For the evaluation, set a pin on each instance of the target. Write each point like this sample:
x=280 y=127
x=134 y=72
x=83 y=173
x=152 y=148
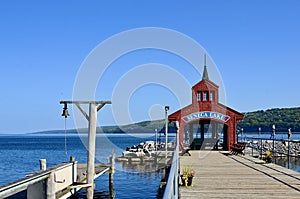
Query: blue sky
x=254 y=44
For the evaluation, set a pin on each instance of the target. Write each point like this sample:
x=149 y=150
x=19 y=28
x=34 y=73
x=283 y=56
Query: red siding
x=213 y=106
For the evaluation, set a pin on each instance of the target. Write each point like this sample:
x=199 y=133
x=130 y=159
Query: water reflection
x=290 y=163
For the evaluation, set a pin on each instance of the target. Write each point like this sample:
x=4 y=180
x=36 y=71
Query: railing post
x=261 y=148
x=50 y=187
x=177 y=162
x=74 y=170
x=172 y=189
x=252 y=146
x=166 y=135
x=91 y=150
x=111 y=175
x=273 y=135
x=43 y=165
x=289 y=153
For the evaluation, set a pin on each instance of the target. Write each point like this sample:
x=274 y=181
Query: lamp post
x=273 y=135
x=273 y=131
x=289 y=146
x=260 y=140
x=166 y=134
x=242 y=133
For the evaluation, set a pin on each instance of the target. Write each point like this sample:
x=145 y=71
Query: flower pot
x=189 y=181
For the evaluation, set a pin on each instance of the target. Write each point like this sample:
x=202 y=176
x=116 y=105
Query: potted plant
x=187 y=176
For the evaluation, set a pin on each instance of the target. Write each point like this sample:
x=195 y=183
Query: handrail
x=289 y=148
x=273 y=149
x=22 y=184
x=171 y=190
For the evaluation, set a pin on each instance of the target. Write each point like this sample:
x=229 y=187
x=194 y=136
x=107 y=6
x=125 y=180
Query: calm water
x=20 y=154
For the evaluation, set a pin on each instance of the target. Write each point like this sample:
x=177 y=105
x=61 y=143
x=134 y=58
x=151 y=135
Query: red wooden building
x=204 y=122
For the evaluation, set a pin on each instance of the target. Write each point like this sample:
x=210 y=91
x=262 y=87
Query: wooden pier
x=222 y=175
x=60 y=181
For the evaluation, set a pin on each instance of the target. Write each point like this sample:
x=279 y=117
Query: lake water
x=20 y=154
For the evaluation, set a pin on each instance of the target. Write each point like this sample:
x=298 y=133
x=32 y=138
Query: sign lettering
x=206 y=115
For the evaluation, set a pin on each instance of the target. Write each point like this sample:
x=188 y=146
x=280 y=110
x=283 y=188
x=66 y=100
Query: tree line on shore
x=282 y=118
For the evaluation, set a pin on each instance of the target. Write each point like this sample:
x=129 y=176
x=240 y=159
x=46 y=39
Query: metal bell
x=65 y=111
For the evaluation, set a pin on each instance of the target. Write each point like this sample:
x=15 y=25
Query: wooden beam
x=85 y=102
x=100 y=106
x=91 y=151
x=94 y=107
x=82 y=111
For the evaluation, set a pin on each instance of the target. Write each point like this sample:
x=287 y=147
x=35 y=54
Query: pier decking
x=222 y=175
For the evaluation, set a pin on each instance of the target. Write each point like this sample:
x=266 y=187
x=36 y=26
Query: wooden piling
x=91 y=150
x=51 y=186
x=111 y=174
x=43 y=165
x=72 y=158
x=94 y=107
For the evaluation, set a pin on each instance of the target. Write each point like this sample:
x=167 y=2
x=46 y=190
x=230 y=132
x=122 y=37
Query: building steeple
x=205 y=73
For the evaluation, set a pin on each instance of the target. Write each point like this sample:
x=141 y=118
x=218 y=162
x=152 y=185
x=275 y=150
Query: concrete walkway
x=222 y=175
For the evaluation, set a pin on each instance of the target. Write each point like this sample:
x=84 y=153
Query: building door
x=225 y=137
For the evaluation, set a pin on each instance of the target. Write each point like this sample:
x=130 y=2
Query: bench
x=185 y=150
x=238 y=148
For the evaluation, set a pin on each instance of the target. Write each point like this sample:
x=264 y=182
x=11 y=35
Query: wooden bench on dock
x=185 y=150
x=238 y=148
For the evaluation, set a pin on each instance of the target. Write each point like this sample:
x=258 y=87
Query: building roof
x=218 y=106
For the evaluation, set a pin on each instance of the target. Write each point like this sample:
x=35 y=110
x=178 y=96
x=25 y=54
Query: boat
x=141 y=150
x=145 y=151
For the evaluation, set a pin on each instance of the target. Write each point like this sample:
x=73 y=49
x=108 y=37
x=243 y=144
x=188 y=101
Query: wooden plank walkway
x=222 y=175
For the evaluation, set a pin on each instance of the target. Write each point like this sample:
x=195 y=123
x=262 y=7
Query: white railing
x=172 y=189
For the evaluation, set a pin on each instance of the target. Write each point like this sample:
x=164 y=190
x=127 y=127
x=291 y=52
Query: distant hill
x=140 y=127
x=283 y=118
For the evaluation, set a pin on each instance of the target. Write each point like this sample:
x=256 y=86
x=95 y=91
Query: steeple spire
x=205 y=73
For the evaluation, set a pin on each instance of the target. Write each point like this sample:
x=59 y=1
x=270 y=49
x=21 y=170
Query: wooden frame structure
x=94 y=107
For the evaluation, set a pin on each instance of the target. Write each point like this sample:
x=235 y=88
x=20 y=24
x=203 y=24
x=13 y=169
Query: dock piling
x=43 y=165
x=94 y=107
x=111 y=174
x=72 y=158
x=91 y=150
x=51 y=186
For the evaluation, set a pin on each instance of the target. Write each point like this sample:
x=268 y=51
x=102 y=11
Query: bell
x=65 y=111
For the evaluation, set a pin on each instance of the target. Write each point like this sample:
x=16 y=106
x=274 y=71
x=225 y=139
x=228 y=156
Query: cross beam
x=85 y=102
x=94 y=107
x=99 y=105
